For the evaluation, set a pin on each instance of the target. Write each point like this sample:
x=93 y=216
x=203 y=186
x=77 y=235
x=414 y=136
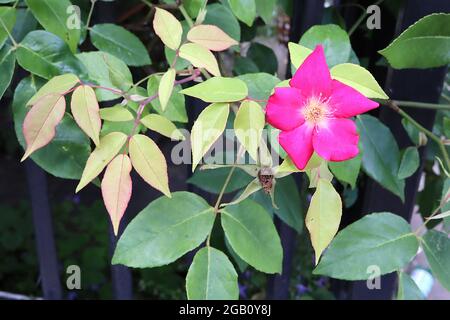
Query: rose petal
x=284 y=107
x=347 y=102
x=336 y=140
x=313 y=77
x=298 y=144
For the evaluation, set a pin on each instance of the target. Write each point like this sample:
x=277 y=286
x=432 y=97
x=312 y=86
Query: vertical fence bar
x=416 y=85
x=122 y=281
x=306 y=13
x=43 y=228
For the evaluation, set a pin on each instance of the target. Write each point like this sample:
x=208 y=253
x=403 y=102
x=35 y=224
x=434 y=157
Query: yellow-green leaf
x=211 y=37
x=166 y=87
x=149 y=162
x=108 y=148
x=200 y=57
x=39 y=126
x=324 y=216
x=359 y=79
x=218 y=89
x=117 y=113
x=57 y=85
x=168 y=28
x=298 y=53
x=318 y=173
x=85 y=111
x=208 y=127
x=116 y=188
x=163 y=126
x=248 y=126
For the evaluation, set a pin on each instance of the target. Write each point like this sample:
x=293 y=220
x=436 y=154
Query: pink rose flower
x=313 y=113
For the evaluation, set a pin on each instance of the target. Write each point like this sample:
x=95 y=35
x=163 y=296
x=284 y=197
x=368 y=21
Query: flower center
x=315 y=110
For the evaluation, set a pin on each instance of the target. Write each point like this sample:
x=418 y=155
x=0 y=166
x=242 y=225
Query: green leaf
x=407 y=288
x=213 y=180
x=211 y=276
x=409 y=164
x=324 y=216
x=219 y=15
x=359 y=79
x=264 y=58
x=335 y=41
x=7 y=64
x=253 y=236
x=266 y=9
x=193 y=7
x=121 y=43
x=427 y=43
x=245 y=10
x=251 y=188
x=165 y=87
x=241 y=264
x=248 y=126
x=46 y=55
x=381 y=239
x=437 y=249
x=25 y=23
x=164 y=231
x=287 y=198
x=200 y=57
x=243 y=66
x=218 y=89
x=58 y=84
x=176 y=106
x=168 y=28
x=52 y=15
x=260 y=85
x=149 y=162
x=8 y=18
x=208 y=127
x=109 y=147
x=107 y=71
x=66 y=155
x=381 y=156
x=347 y=171
x=117 y=113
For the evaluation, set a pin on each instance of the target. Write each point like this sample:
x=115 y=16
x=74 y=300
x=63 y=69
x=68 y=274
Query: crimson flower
x=312 y=113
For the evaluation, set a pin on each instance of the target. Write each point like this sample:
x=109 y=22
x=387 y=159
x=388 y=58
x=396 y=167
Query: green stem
x=186 y=16
x=360 y=19
x=435 y=212
x=446 y=97
x=422 y=105
x=427 y=132
x=91 y=11
x=224 y=187
x=142 y=80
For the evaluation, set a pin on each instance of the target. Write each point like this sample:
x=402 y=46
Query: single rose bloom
x=313 y=113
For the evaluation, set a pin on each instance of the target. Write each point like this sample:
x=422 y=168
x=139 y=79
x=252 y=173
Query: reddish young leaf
x=116 y=188
x=211 y=37
x=86 y=112
x=39 y=126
